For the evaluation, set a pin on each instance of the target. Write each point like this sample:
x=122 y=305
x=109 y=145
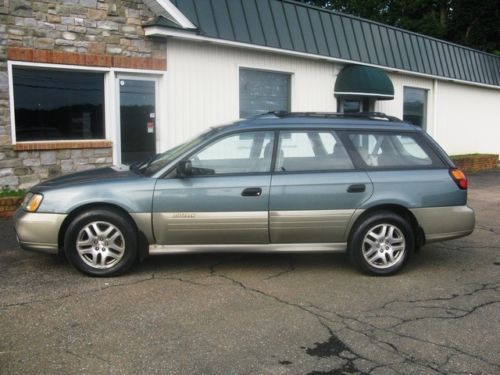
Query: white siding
x=202 y=85
x=202 y=90
x=468 y=119
x=462 y=118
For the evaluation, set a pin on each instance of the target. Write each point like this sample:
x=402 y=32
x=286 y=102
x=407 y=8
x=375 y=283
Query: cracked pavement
x=264 y=313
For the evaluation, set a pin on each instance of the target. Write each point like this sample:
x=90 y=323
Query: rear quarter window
x=383 y=150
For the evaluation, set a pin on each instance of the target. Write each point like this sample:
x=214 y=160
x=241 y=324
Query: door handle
x=356 y=188
x=252 y=192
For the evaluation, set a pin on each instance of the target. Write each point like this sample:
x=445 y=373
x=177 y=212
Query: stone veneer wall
x=24 y=169
x=101 y=30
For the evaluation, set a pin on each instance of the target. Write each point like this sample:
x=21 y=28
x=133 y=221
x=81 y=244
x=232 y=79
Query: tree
x=475 y=24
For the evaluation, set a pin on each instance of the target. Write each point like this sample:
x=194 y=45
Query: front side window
x=311 y=151
x=58 y=105
x=415 y=106
x=247 y=152
x=263 y=91
x=381 y=150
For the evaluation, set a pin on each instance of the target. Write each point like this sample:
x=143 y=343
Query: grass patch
x=7 y=192
x=465 y=155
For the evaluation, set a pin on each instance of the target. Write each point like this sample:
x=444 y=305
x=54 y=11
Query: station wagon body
x=370 y=185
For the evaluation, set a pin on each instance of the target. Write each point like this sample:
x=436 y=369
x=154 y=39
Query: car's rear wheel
x=101 y=243
x=382 y=243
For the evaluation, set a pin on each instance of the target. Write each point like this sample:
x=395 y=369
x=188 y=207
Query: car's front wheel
x=101 y=242
x=382 y=243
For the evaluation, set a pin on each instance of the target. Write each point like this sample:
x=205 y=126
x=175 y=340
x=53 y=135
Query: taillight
x=459 y=178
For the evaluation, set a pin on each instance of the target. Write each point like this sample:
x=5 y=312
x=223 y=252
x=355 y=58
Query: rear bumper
x=445 y=223
x=38 y=231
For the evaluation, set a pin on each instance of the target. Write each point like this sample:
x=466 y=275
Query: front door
x=137 y=119
x=315 y=189
x=224 y=200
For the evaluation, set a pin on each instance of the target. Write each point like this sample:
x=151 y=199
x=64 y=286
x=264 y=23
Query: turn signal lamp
x=459 y=178
x=32 y=202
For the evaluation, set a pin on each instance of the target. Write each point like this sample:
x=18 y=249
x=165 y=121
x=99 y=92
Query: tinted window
x=390 y=150
x=58 y=105
x=415 y=106
x=248 y=152
x=262 y=92
x=311 y=150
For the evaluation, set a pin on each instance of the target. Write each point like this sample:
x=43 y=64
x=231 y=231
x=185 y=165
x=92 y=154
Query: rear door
x=315 y=188
x=225 y=200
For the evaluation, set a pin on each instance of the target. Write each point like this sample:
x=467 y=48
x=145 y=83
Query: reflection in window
x=58 y=105
x=384 y=151
x=262 y=92
x=415 y=106
x=247 y=152
x=311 y=151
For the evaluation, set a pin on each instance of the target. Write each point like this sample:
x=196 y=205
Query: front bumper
x=38 y=231
x=445 y=223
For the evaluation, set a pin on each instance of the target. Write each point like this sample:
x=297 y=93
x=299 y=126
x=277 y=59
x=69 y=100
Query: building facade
x=87 y=83
x=58 y=64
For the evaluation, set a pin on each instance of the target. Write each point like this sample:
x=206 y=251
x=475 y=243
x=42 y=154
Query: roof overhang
x=194 y=35
x=168 y=10
x=364 y=81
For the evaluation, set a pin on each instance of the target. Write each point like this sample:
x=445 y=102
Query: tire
x=382 y=243
x=101 y=242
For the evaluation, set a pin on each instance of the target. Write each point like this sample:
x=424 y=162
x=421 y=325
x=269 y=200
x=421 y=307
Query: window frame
x=263 y=70
x=330 y=130
x=111 y=123
x=426 y=105
x=171 y=171
x=438 y=160
x=58 y=140
x=360 y=164
x=67 y=68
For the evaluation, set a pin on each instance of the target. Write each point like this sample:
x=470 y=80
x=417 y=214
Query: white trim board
x=341 y=93
x=164 y=32
x=86 y=68
x=176 y=14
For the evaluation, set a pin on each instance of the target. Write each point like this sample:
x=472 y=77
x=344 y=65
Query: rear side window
x=311 y=151
x=385 y=150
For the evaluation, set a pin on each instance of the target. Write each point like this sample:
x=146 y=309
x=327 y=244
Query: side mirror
x=184 y=168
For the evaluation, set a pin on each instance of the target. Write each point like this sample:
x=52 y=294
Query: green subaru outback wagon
x=367 y=184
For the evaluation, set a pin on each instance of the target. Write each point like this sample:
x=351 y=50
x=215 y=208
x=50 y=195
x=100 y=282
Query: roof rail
x=371 y=115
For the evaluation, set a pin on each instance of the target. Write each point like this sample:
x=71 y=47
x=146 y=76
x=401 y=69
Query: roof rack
x=371 y=115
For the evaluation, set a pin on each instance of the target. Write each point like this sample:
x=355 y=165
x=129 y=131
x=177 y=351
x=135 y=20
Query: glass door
x=137 y=119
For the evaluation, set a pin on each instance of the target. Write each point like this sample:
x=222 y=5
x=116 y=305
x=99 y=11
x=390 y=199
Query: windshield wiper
x=150 y=161
x=138 y=165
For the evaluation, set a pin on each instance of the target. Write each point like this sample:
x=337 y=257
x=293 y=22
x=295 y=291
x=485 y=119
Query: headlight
x=32 y=202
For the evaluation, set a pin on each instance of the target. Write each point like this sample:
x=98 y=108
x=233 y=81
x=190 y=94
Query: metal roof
x=293 y=26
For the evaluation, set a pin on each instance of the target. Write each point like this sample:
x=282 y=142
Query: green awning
x=364 y=81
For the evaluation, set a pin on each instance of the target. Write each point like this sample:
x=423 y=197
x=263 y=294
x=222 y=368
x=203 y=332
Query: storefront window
x=355 y=105
x=263 y=91
x=58 y=105
x=415 y=106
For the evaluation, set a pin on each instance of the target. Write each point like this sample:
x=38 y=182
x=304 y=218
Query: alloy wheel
x=384 y=246
x=100 y=244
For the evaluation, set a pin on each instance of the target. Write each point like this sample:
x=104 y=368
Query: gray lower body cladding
x=312 y=230
x=445 y=223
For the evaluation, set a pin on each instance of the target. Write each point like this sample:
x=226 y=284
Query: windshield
x=159 y=161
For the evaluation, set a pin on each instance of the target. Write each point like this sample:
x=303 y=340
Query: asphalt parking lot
x=265 y=314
